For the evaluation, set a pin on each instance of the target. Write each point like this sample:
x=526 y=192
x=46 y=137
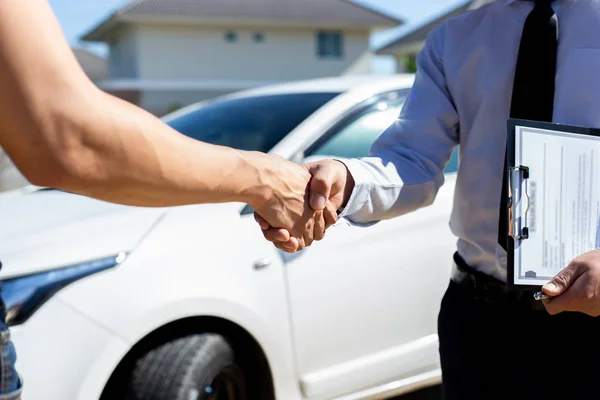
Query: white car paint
x=354 y=316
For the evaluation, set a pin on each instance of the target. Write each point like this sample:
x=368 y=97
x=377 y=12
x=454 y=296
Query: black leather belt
x=487 y=289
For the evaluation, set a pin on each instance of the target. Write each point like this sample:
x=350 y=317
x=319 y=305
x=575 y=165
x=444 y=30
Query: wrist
x=349 y=183
x=253 y=172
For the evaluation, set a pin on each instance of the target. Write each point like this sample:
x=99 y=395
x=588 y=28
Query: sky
x=78 y=16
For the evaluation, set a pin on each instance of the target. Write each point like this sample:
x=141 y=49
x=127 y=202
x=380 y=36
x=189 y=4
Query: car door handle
x=262 y=263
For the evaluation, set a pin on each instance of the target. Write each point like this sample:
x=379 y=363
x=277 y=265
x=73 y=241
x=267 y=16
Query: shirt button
x=503 y=260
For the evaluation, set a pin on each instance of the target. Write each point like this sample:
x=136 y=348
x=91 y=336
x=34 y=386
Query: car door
x=364 y=301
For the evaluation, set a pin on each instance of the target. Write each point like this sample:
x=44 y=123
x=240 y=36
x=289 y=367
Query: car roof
x=331 y=84
x=337 y=84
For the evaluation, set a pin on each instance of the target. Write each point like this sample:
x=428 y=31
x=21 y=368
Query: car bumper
x=62 y=354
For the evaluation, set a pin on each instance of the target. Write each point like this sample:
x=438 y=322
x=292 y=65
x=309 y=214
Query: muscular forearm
x=62 y=131
x=111 y=150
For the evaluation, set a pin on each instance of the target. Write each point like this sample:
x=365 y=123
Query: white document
x=559 y=203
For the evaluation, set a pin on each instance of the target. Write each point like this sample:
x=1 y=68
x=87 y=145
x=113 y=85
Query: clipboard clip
x=515 y=189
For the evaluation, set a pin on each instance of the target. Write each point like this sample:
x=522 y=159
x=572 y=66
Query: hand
x=330 y=189
x=314 y=230
x=576 y=287
x=283 y=201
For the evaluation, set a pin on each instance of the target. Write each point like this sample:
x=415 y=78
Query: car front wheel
x=195 y=367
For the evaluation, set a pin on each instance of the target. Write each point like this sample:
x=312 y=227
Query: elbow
x=52 y=171
x=62 y=161
x=55 y=148
x=430 y=190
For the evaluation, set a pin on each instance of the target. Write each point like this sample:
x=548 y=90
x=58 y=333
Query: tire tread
x=168 y=371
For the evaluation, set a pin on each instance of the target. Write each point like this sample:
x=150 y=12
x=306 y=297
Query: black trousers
x=491 y=351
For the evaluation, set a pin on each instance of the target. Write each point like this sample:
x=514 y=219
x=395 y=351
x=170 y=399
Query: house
x=406 y=47
x=168 y=53
x=95 y=67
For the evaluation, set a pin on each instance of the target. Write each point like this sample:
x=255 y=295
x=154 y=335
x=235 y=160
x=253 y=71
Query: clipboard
x=530 y=225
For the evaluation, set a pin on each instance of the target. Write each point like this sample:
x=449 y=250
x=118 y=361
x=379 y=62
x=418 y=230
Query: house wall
x=202 y=57
x=187 y=52
x=123 y=60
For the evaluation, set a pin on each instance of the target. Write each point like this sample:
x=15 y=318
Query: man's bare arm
x=62 y=131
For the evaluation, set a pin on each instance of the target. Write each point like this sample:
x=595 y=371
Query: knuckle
x=308 y=239
x=320 y=181
x=580 y=265
x=562 y=279
x=590 y=294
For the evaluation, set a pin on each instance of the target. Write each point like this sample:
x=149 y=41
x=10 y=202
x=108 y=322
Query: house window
x=330 y=44
x=231 y=36
x=259 y=37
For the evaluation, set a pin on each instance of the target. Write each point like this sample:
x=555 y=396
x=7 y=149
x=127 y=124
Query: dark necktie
x=533 y=86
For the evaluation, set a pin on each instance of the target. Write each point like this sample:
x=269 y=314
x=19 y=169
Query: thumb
x=320 y=186
x=564 y=279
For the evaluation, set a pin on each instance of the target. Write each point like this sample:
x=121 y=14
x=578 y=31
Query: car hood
x=48 y=229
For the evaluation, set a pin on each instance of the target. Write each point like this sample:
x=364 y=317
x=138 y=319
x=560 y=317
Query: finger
x=330 y=215
x=320 y=185
x=283 y=247
x=301 y=244
x=570 y=298
x=302 y=223
x=290 y=246
x=308 y=234
x=319 y=226
x=276 y=235
x=264 y=225
x=564 y=278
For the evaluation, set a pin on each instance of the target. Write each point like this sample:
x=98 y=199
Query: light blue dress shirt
x=461 y=96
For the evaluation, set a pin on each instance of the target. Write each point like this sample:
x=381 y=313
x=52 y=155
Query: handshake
x=299 y=202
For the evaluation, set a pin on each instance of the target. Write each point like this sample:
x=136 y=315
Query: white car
x=11 y=178
x=121 y=303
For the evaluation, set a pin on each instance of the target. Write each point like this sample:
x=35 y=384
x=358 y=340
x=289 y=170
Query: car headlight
x=23 y=295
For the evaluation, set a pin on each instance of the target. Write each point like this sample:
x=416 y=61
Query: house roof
x=419 y=34
x=299 y=12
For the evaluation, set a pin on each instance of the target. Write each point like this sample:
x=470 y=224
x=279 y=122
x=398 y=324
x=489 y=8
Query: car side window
x=354 y=138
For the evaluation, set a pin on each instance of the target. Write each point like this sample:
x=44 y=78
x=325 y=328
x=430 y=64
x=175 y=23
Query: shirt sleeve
x=405 y=168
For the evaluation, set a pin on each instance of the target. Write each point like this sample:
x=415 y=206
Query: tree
x=411 y=63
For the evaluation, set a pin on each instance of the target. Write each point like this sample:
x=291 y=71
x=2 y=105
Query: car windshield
x=250 y=123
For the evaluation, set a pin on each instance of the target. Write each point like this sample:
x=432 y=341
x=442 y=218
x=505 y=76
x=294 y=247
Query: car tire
x=195 y=367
